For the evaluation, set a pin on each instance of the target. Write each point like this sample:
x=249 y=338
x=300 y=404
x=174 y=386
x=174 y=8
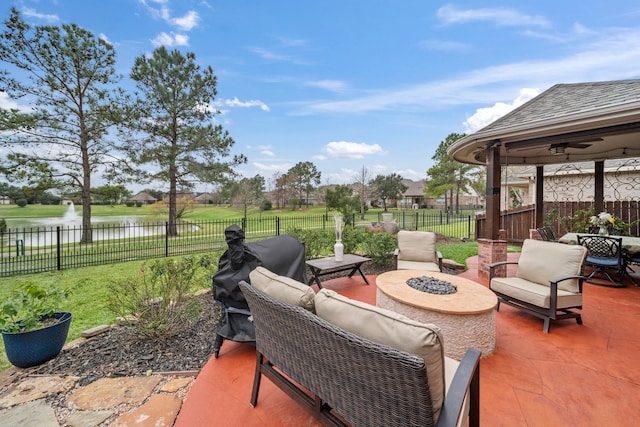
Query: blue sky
x=346 y=84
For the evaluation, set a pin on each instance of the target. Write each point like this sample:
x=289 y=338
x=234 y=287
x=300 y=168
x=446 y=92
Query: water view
x=43 y=231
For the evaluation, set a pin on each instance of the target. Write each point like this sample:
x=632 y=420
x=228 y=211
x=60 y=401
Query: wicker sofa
x=345 y=378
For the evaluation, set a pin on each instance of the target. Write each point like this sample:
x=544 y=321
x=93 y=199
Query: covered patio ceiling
x=567 y=123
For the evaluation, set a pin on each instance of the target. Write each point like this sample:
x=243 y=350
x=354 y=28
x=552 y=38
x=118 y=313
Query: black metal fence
x=40 y=249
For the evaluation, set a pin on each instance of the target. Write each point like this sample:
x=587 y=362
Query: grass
x=89 y=294
x=90 y=285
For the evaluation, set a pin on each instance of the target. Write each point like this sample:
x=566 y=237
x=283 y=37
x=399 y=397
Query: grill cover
x=283 y=255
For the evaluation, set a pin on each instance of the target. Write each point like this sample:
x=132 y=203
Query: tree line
x=81 y=124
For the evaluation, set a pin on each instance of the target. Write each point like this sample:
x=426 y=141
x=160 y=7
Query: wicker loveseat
x=344 y=378
x=548 y=282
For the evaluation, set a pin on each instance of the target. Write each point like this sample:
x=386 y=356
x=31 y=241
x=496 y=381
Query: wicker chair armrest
x=466 y=379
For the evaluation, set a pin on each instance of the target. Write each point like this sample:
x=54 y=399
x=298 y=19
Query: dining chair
x=594 y=229
x=547 y=234
x=604 y=254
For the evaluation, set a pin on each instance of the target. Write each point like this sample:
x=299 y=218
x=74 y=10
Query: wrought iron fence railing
x=41 y=249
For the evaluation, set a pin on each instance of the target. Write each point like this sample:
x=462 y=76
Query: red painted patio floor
x=579 y=375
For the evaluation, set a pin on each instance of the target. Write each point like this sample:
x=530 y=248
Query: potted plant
x=33 y=328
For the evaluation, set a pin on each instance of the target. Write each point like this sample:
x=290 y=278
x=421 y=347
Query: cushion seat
x=417 y=251
x=548 y=282
x=534 y=293
x=417 y=265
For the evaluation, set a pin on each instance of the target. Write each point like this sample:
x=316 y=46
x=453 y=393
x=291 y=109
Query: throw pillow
x=283 y=288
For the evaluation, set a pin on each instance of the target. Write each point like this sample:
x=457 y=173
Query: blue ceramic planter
x=25 y=349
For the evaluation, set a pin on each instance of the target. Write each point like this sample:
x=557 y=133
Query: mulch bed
x=120 y=352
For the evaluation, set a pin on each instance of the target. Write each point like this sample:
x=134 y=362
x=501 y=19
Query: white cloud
x=265 y=150
x=7 y=103
x=487 y=115
x=104 y=37
x=330 y=85
x=450 y=14
x=412 y=174
x=186 y=22
x=164 y=39
x=270 y=168
x=443 y=45
x=235 y=102
x=32 y=13
x=614 y=54
x=351 y=150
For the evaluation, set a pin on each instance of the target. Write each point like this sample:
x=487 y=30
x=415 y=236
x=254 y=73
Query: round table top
x=470 y=298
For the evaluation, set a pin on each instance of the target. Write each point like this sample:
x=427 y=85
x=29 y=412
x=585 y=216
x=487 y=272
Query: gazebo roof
x=564 y=124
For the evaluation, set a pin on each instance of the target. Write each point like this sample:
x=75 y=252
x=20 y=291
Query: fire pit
x=432 y=285
x=466 y=316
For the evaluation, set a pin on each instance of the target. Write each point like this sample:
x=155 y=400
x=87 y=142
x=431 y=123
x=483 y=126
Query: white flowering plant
x=603 y=219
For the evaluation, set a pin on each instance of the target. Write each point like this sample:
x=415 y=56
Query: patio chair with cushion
x=417 y=251
x=548 y=281
x=604 y=254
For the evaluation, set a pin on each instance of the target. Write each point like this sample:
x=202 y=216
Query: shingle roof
x=562 y=101
x=586 y=121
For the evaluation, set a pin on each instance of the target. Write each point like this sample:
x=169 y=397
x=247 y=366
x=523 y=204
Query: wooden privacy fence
x=563 y=217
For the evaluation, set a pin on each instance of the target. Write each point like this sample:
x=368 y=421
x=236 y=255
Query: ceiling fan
x=554 y=148
x=562 y=146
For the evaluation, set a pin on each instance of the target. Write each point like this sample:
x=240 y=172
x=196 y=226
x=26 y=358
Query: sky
x=347 y=84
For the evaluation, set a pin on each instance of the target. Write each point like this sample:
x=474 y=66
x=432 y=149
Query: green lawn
x=90 y=284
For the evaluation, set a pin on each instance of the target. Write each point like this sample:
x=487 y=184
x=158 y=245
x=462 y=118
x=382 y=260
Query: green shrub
x=266 y=205
x=317 y=241
x=130 y=203
x=3 y=225
x=21 y=202
x=352 y=238
x=139 y=204
x=28 y=305
x=379 y=246
x=159 y=300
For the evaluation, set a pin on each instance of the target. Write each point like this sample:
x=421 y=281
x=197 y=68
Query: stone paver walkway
x=149 y=401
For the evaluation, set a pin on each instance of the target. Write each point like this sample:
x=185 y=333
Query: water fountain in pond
x=70 y=216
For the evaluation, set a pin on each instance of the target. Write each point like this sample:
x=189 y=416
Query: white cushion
x=282 y=288
x=534 y=293
x=392 y=329
x=417 y=265
x=541 y=261
x=417 y=246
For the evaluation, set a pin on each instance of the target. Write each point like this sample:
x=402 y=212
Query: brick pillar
x=490 y=251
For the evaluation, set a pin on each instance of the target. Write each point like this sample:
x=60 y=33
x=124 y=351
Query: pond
x=30 y=232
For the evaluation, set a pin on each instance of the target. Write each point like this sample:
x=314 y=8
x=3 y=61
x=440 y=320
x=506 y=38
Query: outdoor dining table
x=630 y=245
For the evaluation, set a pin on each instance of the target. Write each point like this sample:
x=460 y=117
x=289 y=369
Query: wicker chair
x=352 y=380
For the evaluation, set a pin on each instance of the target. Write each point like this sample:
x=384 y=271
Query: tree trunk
x=173 y=194
x=87 y=231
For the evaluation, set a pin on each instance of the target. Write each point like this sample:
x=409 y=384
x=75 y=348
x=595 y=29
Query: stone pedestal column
x=490 y=251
